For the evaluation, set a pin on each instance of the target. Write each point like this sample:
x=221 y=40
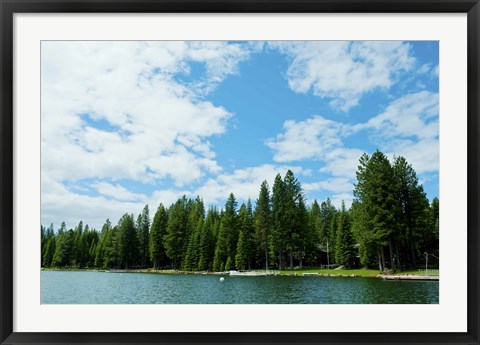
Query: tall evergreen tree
x=77 y=256
x=227 y=237
x=175 y=237
x=303 y=235
x=207 y=242
x=315 y=225
x=112 y=249
x=143 y=227
x=128 y=241
x=49 y=252
x=244 y=254
x=100 y=250
x=375 y=194
x=47 y=245
x=413 y=211
x=196 y=213
x=293 y=214
x=327 y=229
x=279 y=219
x=158 y=231
x=344 y=253
x=192 y=255
x=263 y=218
x=63 y=247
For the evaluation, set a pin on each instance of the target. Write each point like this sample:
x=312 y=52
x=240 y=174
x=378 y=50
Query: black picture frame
x=7 y=10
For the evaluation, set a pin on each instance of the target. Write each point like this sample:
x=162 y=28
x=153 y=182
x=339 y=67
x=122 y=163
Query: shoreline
x=320 y=273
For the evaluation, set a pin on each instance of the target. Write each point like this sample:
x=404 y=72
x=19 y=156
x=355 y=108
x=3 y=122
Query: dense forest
x=391 y=225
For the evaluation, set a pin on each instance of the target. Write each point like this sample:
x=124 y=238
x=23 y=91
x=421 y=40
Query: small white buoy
x=222 y=279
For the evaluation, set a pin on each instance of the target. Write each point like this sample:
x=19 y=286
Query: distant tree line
x=391 y=225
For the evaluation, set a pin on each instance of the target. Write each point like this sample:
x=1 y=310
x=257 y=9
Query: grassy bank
x=341 y=272
x=333 y=272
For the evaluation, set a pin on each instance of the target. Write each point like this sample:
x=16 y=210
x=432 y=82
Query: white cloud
x=344 y=71
x=115 y=110
x=309 y=139
x=331 y=185
x=60 y=204
x=167 y=197
x=147 y=114
x=243 y=183
x=337 y=199
x=117 y=192
x=412 y=115
x=317 y=139
x=342 y=162
x=408 y=127
x=423 y=154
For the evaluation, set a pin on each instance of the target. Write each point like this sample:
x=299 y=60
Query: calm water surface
x=138 y=288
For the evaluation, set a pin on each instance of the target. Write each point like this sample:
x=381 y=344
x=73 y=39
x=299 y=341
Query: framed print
x=239 y=172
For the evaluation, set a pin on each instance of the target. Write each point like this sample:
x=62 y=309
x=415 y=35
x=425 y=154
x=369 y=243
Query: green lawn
x=430 y=272
x=321 y=271
x=358 y=272
x=342 y=271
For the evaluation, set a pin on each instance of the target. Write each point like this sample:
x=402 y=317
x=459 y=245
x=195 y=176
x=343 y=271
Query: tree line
x=390 y=225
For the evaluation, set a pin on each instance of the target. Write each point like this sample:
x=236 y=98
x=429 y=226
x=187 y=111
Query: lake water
x=63 y=287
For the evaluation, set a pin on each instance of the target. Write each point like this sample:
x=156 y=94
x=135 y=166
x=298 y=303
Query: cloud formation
x=126 y=124
x=344 y=71
x=115 y=110
x=408 y=127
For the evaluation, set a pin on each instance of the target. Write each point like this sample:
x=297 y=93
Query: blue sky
x=126 y=124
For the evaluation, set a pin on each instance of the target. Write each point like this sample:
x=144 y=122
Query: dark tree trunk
x=291 y=254
x=382 y=254
x=392 y=264
x=412 y=248
x=266 y=255
x=397 y=256
x=280 y=259
x=379 y=256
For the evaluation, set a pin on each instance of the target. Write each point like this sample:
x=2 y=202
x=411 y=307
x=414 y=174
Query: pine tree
x=193 y=250
x=344 y=253
x=279 y=214
x=225 y=249
x=63 y=247
x=112 y=249
x=175 y=237
x=49 y=252
x=142 y=228
x=196 y=213
x=244 y=254
x=207 y=248
x=327 y=227
x=315 y=225
x=303 y=235
x=293 y=215
x=76 y=258
x=376 y=198
x=158 y=231
x=229 y=224
x=47 y=245
x=128 y=241
x=413 y=212
x=220 y=257
x=100 y=250
x=263 y=220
